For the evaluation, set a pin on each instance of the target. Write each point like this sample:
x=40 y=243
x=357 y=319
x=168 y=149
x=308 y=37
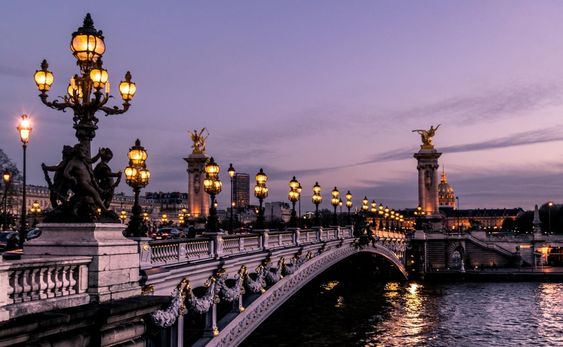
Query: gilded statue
x=199 y=140
x=426 y=136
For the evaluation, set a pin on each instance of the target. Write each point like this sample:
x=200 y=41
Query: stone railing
x=37 y=285
x=171 y=252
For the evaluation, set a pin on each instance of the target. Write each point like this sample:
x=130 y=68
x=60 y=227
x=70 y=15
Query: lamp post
x=123 y=216
x=261 y=193
x=88 y=92
x=293 y=196
x=317 y=199
x=335 y=200
x=137 y=176
x=349 y=206
x=549 y=206
x=373 y=211
x=386 y=216
x=299 y=190
x=212 y=186
x=232 y=174
x=458 y=216
x=85 y=96
x=7 y=178
x=24 y=128
x=35 y=209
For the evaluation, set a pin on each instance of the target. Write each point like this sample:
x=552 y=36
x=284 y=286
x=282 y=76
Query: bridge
x=253 y=273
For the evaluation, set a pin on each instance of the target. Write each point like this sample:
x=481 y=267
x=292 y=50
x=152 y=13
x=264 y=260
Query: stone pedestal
x=198 y=200
x=428 y=180
x=114 y=270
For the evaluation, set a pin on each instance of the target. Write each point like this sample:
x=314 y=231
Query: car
x=166 y=233
x=33 y=234
x=9 y=240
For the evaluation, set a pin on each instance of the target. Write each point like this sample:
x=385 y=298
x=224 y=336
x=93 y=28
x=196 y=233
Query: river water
x=351 y=305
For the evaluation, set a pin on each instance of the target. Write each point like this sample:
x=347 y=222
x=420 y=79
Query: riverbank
x=545 y=274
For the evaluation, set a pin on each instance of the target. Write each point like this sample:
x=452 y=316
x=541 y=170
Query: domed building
x=446 y=194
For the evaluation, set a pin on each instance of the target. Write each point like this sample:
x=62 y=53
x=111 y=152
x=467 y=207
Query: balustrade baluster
x=73 y=279
x=65 y=280
x=35 y=283
x=26 y=284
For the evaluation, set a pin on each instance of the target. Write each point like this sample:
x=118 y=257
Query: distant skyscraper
x=241 y=188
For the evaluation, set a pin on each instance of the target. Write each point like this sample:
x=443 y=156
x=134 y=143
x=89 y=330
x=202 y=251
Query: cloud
x=491 y=104
x=537 y=136
x=13 y=72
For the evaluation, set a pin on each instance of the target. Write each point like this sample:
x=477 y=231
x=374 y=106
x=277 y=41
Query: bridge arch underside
x=236 y=331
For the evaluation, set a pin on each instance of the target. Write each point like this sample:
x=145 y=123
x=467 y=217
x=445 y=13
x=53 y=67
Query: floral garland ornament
x=166 y=318
x=255 y=282
x=202 y=304
x=230 y=289
x=273 y=275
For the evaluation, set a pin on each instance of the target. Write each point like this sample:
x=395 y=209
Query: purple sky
x=324 y=90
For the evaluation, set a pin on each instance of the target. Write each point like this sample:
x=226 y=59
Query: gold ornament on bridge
x=199 y=139
x=426 y=136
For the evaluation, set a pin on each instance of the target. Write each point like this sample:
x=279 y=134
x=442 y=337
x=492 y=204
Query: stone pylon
x=428 y=181
x=198 y=200
x=536 y=222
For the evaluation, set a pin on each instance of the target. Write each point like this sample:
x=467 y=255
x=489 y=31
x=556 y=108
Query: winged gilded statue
x=199 y=139
x=427 y=135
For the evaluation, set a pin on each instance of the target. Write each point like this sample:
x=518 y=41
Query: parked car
x=167 y=233
x=33 y=234
x=172 y=233
x=9 y=240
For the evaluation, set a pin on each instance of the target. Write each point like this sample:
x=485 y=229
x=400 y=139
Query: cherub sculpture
x=199 y=140
x=427 y=135
x=104 y=176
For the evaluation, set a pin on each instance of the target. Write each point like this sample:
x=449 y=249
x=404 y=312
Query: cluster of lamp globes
x=212 y=184
x=295 y=189
x=136 y=173
x=87 y=46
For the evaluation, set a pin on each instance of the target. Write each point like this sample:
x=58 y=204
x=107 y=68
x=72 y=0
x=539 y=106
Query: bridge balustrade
x=26 y=284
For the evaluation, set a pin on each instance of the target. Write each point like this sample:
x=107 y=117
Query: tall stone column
x=198 y=200
x=428 y=180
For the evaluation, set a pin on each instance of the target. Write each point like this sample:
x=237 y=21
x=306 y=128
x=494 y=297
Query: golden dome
x=446 y=194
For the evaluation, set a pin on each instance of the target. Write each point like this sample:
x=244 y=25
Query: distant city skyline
x=328 y=91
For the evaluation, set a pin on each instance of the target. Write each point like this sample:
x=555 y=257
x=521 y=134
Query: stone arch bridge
x=255 y=273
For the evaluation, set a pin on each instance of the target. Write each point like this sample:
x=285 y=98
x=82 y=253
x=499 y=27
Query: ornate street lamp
x=373 y=211
x=85 y=96
x=123 y=216
x=335 y=201
x=293 y=196
x=365 y=205
x=35 y=209
x=164 y=219
x=137 y=176
x=232 y=174
x=24 y=128
x=88 y=92
x=7 y=178
x=212 y=186
x=261 y=193
x=349 y=205
x=299 y=190
x=317 y=199
x=418 y=213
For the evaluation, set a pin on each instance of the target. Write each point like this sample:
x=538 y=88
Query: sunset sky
x=328 y=91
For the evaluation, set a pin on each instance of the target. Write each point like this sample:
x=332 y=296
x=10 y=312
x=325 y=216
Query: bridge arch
x=236 y=331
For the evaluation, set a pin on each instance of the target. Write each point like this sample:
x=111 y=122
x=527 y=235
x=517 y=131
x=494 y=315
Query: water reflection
x=352 y=309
